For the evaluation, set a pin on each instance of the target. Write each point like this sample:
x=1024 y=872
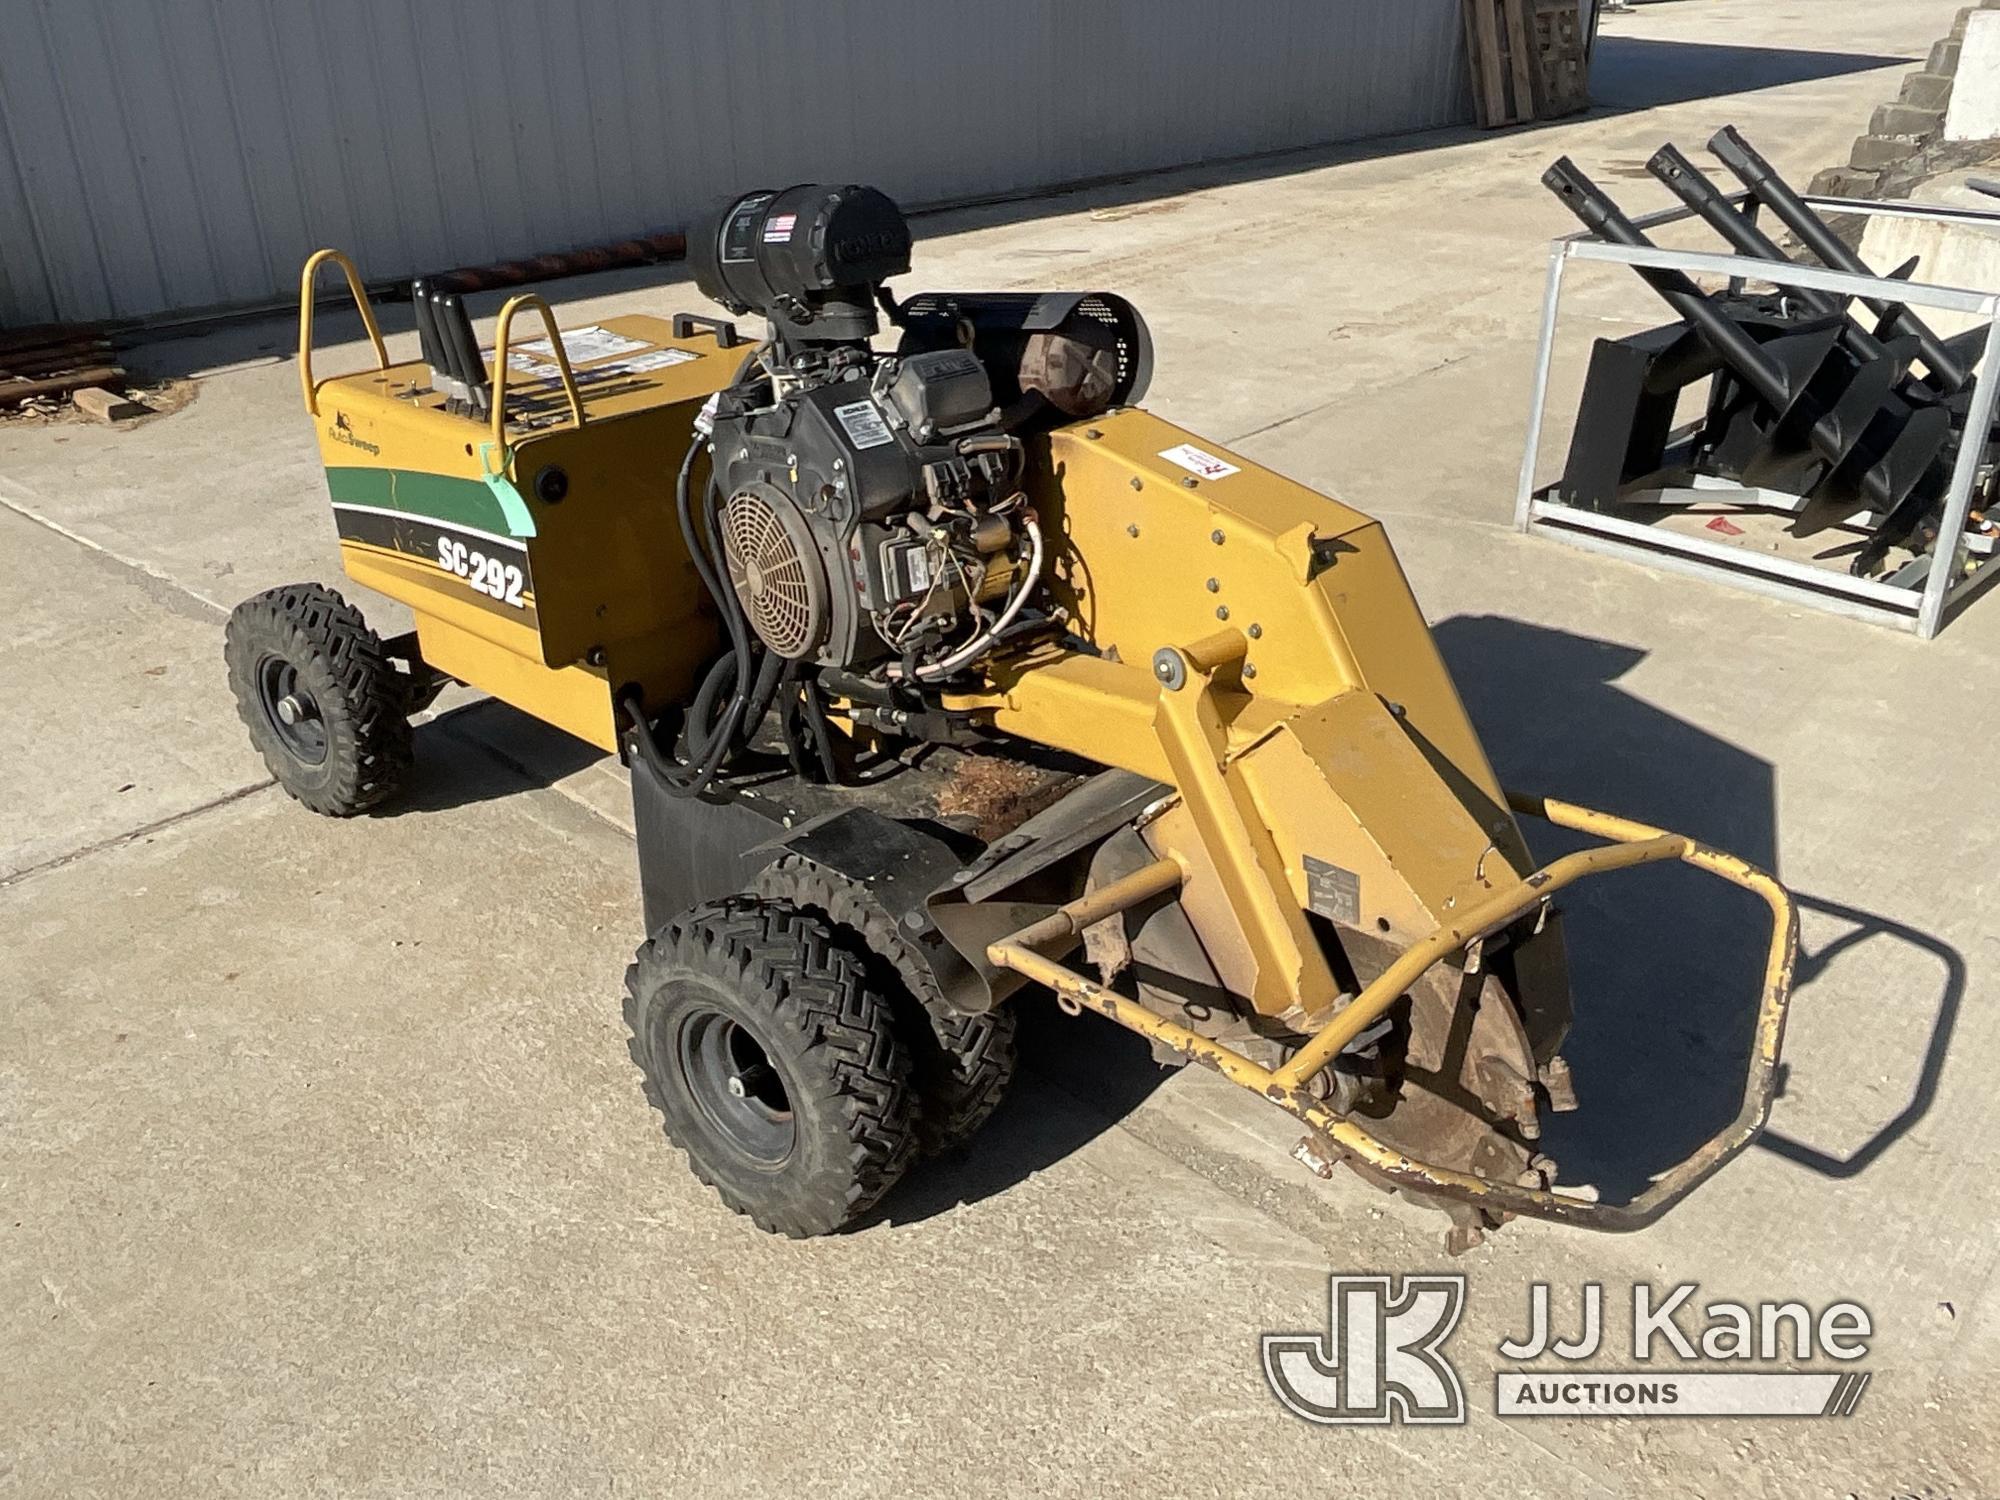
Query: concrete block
x=100 y=405
x=1958 y=255
x=1874 y=152
x=1975 y=101
x=1907 y=119
x=1927 y=90
x=1944 y=55
x=1844 y=182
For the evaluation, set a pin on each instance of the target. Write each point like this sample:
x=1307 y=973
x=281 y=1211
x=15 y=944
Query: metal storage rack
x=1917 y=597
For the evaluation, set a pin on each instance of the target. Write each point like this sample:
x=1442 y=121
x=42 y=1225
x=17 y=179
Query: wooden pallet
x=53 y=361
x=1562 y=59
x=1529 y=59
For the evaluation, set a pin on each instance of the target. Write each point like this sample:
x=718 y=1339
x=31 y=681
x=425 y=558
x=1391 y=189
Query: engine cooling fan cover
x=776 y=572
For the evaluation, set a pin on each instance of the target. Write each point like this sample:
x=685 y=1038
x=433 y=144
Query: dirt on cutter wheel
x=323 y=703
x=775 y=1062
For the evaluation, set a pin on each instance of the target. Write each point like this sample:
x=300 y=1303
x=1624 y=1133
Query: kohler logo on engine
x=857 y=246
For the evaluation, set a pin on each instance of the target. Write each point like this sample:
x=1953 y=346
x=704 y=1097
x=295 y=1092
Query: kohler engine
x=869 y=506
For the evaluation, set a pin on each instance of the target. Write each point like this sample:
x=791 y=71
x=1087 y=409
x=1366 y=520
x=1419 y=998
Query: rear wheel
x=322 y=701
x=774 y=1062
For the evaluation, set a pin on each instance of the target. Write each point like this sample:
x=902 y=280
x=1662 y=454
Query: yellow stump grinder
x=947 y=677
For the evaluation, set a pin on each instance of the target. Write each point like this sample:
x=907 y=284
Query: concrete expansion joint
x=132 y=835
x=152 y=581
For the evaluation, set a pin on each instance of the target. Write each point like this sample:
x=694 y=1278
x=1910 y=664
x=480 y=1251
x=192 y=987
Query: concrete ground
x=323 y=1168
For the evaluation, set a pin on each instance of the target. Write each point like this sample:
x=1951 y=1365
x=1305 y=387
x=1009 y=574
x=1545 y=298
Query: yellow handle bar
x=501 y=337
x=307 y=387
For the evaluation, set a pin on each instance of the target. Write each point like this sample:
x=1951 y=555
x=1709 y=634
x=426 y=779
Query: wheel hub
x=292 y=710
x=731 y=1078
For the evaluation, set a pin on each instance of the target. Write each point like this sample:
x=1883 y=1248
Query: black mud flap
x=698 y=849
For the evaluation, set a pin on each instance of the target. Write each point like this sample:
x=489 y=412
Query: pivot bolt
x=1170 y=669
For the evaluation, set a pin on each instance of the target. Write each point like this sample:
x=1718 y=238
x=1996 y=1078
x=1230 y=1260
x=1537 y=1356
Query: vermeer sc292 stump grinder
x=948 y=677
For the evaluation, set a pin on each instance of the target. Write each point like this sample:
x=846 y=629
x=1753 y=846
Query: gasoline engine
x=866 y=508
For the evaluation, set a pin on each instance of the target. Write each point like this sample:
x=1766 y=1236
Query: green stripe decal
x=437 y=497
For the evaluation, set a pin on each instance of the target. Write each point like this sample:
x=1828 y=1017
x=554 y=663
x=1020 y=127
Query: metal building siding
x=190 y=153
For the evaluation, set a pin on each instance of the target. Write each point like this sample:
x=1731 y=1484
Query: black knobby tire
x=304 y=651
x=818 y=1052
x=962 y=1064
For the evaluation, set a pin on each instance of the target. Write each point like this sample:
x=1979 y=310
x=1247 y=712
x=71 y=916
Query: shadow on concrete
x=482 y=752
x=1665 y=963
x=1634 y=72
x=1078 y=1077
x=1866 y=927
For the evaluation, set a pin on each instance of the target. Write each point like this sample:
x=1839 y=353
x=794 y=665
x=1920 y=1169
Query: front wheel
x=323 y=703
x=774 y=1062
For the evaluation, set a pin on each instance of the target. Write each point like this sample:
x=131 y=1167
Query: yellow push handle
x=500 y=340
x=307 y=387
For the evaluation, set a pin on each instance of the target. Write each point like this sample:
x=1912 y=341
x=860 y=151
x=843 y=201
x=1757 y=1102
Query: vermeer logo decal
x=1381 y=1359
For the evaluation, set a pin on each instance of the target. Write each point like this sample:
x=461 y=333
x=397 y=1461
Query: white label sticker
x=583 y=345
x=864 y=424
x=778 y=228
x=1207 y=465
x=639 y=364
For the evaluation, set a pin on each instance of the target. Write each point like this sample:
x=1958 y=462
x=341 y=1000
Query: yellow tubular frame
x=502 y=333
x=307 y=387
x=1630 y=844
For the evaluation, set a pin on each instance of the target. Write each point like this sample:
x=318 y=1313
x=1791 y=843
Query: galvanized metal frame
x=1919 y=609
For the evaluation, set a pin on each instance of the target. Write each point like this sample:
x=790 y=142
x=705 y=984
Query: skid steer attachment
x=931 y=667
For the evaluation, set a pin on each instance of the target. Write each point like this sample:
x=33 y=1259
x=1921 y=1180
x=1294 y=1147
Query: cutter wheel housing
x=951 y=680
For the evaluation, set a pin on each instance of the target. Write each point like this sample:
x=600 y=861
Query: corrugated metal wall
x=190 y=153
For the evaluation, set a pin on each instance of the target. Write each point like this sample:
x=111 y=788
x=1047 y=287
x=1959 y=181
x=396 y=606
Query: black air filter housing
x=806 y=258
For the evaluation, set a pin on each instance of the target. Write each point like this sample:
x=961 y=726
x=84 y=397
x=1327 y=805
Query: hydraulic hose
x=709 y=749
